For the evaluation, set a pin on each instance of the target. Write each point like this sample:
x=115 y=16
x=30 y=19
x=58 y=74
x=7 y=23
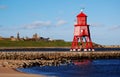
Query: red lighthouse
x=81 y=34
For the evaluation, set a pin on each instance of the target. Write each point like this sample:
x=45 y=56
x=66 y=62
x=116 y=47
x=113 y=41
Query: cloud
x=60 y=22
x=3 y=6
x=115 y=27
x=37 y=24
x=97 y=25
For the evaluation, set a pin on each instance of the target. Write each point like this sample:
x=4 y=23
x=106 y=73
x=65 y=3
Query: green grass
x=8 y=43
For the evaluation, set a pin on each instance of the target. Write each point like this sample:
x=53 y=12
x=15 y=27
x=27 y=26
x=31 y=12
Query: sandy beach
x=10 y=72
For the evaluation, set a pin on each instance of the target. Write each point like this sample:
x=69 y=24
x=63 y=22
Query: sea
x=84 y=68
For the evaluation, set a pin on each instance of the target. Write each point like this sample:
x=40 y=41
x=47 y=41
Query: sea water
x=92 y=68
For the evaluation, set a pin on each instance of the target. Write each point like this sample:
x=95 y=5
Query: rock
x=5 y=64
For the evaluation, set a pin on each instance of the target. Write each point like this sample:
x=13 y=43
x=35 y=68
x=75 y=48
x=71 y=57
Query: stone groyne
x=28 y=59
x=58 y=55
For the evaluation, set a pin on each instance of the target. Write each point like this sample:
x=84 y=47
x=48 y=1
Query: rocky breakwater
x=28 y=59
x=28 y=63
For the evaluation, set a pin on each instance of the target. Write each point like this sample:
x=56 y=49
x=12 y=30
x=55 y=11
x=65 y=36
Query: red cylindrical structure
x=82 y=35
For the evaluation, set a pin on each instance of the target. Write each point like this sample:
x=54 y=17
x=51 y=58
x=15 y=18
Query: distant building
x=12 y=38
x=50 y=39
x=36 y=36
x=18 y=36
x=0 y=37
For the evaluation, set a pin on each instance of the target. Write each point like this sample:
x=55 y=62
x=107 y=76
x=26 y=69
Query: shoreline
x=8 y=68
x=11 y=72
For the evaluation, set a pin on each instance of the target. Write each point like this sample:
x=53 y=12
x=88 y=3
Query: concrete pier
x=59 y=55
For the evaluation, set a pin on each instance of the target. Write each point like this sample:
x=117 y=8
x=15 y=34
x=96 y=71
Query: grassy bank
x=8 y=43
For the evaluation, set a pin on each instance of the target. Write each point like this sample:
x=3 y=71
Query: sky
x=55 y=19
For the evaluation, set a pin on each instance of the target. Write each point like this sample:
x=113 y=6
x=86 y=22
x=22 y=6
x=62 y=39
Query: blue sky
x=55 y=18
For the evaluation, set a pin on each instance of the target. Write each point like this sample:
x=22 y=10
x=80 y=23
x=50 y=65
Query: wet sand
x=10 y=72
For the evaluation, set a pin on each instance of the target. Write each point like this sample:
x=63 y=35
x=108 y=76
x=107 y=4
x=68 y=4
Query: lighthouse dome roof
x=82 y=15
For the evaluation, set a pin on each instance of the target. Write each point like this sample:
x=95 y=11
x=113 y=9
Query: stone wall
x=28 y=59
x=58 y=55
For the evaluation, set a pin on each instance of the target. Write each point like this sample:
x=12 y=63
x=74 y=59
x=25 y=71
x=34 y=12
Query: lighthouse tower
x=81 y=40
